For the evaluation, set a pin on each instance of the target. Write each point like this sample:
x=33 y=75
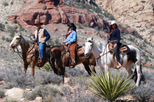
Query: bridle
x=104 y=53
x=19 y=52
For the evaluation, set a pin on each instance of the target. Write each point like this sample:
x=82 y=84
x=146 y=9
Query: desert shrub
x=144 y=93
x=5 y=3
x=2 y=27
x=46 y=92
x=76 y=71
x=110 y=87
x=15 y=77
x=21 y=28
x=3 y=38
x=43 y=77
x=80 y=96
x=8 y=39
x=66 y=90
x=11 y=30
x=2 y=93
x=108 y=15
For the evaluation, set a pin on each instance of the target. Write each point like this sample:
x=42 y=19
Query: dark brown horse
x=60 y=59
x=29 y=54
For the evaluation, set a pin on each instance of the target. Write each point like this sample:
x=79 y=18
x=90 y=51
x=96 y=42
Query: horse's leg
x=33 y=68
x=87 y=67
x=92 y=67
x=60 y=68
x=138 y=70
x=25 y=67
x=106 y=70
x=52 y=64
x=128 y=68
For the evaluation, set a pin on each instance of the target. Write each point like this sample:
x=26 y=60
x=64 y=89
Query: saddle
x=36 y=52
x=122 y=49
x=67 y=51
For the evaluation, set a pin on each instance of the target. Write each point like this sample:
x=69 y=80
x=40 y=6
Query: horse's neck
x=24 y=45
x=95 y=51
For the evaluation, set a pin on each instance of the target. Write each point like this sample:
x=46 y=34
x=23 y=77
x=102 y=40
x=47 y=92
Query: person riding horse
x=71 y=41
x=114 y=38
x=41 y=36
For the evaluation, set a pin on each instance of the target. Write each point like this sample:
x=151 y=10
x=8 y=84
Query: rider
x=40 y=37
x=71 y=41
x=114 y=38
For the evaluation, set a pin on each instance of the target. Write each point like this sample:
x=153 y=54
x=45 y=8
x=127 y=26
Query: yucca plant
x=110 y=87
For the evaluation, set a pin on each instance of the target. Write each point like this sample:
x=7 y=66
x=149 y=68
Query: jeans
x=117 y=53
x=41 y=48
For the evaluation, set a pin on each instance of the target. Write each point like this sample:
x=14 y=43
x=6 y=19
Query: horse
x=60 y=59
x=106 y=59
x=29 y=53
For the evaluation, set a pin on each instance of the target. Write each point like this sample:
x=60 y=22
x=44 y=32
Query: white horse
x=107 y=60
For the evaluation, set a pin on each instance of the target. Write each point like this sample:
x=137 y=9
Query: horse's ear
x=89 y=39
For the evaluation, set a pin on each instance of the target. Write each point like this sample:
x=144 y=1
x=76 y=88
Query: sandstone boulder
x=14 y=93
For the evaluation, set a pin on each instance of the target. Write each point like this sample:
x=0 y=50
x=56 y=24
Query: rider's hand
x=115 y=45
x=66 y=43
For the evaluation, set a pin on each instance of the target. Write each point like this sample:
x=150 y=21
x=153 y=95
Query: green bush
x=110 y=87
x=46 y=67
x=2 y=93
x=5 y=3
x=2 y=27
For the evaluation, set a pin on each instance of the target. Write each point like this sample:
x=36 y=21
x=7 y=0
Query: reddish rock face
x=53 y=11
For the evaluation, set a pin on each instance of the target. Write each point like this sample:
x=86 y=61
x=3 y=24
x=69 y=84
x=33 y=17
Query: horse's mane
x=26 y=39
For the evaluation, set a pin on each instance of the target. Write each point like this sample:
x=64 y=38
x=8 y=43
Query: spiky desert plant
x=110 y=87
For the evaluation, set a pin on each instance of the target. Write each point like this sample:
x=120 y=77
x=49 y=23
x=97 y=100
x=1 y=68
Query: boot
x=118 y=65
x=40 y=62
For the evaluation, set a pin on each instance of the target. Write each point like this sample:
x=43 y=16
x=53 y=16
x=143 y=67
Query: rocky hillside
x=137 y=14
x=91 y=18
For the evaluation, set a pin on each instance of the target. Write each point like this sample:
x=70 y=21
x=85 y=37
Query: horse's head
x=88 y=46
x=16 y=41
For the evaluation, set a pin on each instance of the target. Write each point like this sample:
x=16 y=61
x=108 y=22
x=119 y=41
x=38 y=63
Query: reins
x=18 y=52
x=104 y=50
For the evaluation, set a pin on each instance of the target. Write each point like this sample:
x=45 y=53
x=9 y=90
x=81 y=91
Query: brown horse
x=60 y=59
x=30 y=54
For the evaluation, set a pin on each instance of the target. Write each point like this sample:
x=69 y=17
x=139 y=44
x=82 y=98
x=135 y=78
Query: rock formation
x=53 y=11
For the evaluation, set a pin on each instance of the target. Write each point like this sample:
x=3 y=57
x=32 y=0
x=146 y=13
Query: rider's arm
x=47 y=35
x=34 y=36
x=74 y=37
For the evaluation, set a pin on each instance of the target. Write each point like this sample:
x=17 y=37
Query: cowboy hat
x=112 y=22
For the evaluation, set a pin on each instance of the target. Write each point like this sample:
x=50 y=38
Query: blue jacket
x=115 y=35
x=47 y=35
x=71 y=38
